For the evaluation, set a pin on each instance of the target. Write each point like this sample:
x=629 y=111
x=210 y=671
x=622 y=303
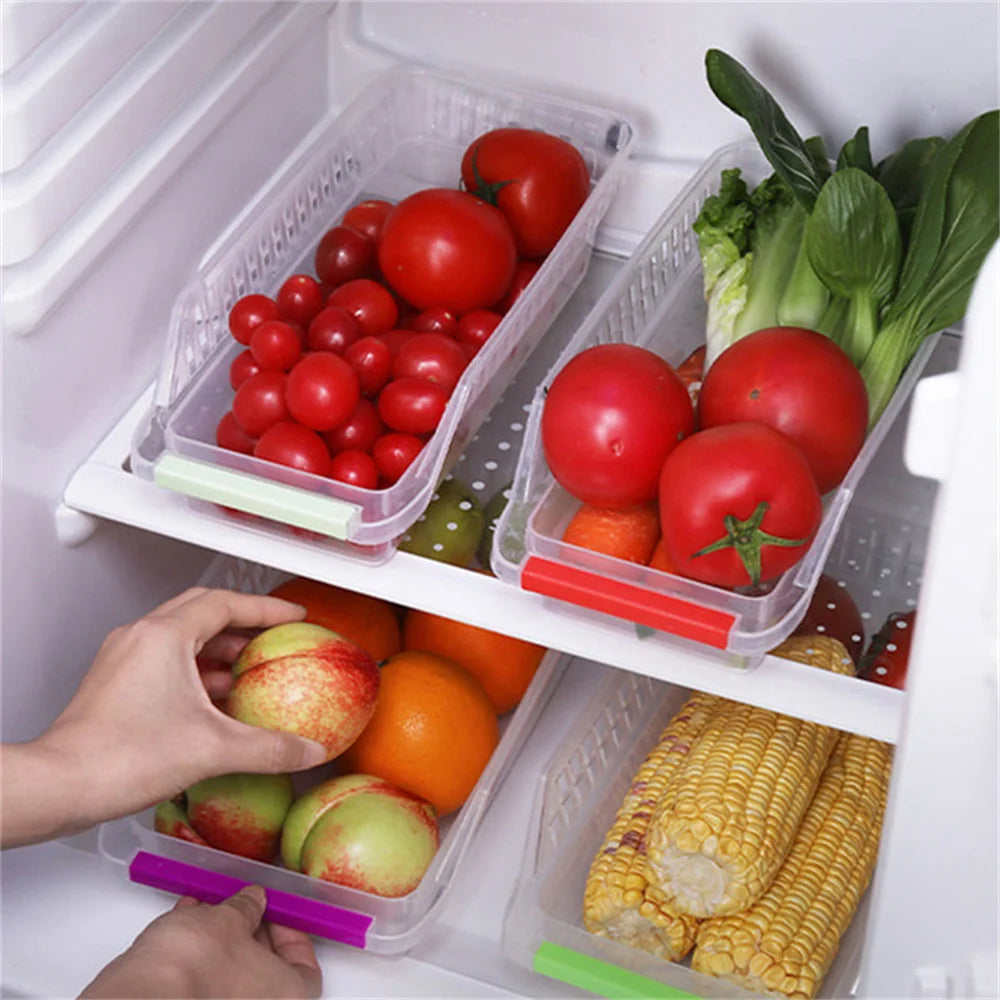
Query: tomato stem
x=748 y=540
x=483 y=188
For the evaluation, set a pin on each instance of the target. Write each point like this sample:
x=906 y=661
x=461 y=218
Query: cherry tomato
x=276 y=345
x=322 y=391
x=260 y=402
x=798 y=382
x=476 y=327
x=299 y=299
x=248 y=313
x=394 y=453
x=229 y=434
x=395 y=338
x=433 y=356
x=536 y=179
x=332 y=329
x=435 y=320
x=291 y=444
x=344 y=254
x=368 y=217
x=449 y=249
x=888 y=655
x=738 y=505
x=611 y=416
x=412 y=405
x=359 y=432
x=241 y=368
x=371 y=359
x=832 y=611
x=355 y=467
x=371 y=304
x=523 y=273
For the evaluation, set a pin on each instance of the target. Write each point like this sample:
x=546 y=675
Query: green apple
x=450 y=528
x=241 y=813
x=305 y=679
x=362 y=832
x=171 y=818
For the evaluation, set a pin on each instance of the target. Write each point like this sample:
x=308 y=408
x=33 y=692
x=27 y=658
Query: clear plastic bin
x=406 y=132
x=378 y=924
x=657 y=302
x=576 y=801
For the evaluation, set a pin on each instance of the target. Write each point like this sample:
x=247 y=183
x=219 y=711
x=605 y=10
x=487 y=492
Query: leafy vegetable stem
x=884 y=363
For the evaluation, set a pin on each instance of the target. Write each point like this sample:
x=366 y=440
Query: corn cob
x=618 y=901
x=784 y=944
x=725 y=822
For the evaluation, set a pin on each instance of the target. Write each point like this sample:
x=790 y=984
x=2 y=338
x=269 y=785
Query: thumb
x=270 y=751
x=248 y=905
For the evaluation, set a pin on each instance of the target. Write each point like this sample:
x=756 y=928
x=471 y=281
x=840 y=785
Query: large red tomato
x=798 y=382
x=447 y=248
x=536 y=179
x=611 y=416
x=738 y=505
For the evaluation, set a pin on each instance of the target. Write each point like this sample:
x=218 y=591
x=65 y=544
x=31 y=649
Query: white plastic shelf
x=104 y=487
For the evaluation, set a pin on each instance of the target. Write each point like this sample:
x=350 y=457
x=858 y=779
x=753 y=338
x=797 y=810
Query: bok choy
x=876 y=256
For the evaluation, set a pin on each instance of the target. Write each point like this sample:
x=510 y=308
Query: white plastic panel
x=137 y=102
x=24 y=25
x=833 y=66
x=42 y=93
x=92 y=211
x=936 y=914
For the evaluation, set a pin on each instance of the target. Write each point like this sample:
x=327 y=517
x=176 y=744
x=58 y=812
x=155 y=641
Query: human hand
x=199 y=950
x=142 y=726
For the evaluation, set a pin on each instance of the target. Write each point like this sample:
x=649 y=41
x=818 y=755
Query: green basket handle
x=600 y=977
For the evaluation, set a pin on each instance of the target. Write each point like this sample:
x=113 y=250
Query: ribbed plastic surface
x=391 y=926
x=406 y=132
x=657 y=302
x=576 y=800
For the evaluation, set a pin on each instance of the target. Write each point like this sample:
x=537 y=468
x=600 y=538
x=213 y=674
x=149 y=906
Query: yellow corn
x=727 y=818
x=784 y=944
x=619 y=903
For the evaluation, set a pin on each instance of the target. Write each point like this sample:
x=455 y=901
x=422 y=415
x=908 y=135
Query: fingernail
x=313 y=753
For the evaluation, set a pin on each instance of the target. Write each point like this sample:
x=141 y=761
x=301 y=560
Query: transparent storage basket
x=577 y=798
x=656 y=301
x=379 y=924
x=406 y=132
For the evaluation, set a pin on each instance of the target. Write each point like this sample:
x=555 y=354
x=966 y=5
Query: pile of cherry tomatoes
x=346 y=372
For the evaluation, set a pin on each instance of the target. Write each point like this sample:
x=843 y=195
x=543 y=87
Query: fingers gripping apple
x=308 y=680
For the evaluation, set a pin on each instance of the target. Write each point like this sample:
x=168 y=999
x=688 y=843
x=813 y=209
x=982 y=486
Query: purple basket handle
x=322 y=919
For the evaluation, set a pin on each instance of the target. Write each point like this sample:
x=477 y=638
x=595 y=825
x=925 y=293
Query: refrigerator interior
x=134 y=134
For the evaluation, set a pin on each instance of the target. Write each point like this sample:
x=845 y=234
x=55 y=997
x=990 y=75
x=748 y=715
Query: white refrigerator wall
x=134 y=132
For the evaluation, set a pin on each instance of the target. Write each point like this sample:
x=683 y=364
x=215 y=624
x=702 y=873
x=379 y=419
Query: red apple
x=305 y=679
x=362 y=832
x=241 y=813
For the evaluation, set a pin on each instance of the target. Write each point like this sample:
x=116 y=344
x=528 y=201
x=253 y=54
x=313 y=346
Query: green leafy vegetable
x=956 y=224
x=853 y=243
x=875 y=256
x=781 y=144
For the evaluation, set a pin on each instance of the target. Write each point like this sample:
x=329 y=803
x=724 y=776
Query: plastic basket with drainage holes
x=408 y=131
x=657 y=302
x=352 y=916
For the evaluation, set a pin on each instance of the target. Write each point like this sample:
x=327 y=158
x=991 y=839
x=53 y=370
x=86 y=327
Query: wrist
x=44 y=794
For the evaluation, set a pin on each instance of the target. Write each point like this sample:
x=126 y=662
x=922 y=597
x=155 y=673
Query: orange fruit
x=630 y=533
x=371 y=622
x=502 y=664
x=660 y=559
x=433 y=731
